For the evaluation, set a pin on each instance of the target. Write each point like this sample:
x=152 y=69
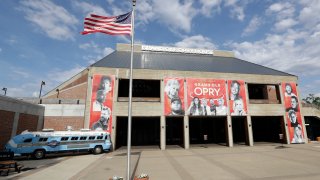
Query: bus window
x=83 y=138
x=43 y=139
x=100 y=137
x=106 y=137
x=27 y=140
x=64 y=138
x=74 y=138
x=92 y=137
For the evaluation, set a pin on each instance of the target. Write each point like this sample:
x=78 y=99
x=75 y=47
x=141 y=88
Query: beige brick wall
x=6 y=124
x=27 y=122
x=59 y=123
x=76 y=92
x=81 y=80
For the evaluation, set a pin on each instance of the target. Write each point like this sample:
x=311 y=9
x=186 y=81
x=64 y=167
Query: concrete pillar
x=113 y=132
x=287 y=136
x=186 y=132
x=229 y=121
x=40 y=122
x=15 y=124
x=88 y=101
x=250 y=134
x=163 y=133
x=229 y=129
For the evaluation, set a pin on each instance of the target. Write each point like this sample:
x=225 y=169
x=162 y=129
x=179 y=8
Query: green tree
x=312 y=99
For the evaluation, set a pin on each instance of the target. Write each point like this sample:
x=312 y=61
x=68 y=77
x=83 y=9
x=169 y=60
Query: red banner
x=173 y=96
x=206 y=97
x=237 y=98
x=101 y=102
x=293 y=115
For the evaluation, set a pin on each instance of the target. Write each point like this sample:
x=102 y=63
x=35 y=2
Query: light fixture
x=5 y=90
x=42 y=83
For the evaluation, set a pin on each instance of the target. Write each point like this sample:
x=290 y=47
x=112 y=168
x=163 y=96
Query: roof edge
x=166 y=49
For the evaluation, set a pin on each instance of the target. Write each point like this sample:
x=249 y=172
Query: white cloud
x=285 y=24
x=95 y=51
x=254 y=24
x=88 y=8
x=208 y=7
x=236 y=8
x=197 y=41
x=58 y=76
x=309 y=15
x=145 y=11
x=55 y=21
x=294 y=51
x=282 y=10
x=238 y=12
x=20 y=73
x=25 y=89
x=175 y=14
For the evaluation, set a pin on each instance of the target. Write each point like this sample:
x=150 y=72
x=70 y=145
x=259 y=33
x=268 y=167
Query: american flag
x=113 y=25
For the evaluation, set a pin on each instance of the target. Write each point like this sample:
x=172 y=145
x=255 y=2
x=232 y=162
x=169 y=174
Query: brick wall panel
x=6 y=125
x=79 y=92
x=60 y=123
x=27 y=122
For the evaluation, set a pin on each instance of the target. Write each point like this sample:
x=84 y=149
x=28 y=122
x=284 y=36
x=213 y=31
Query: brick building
x=258 y=113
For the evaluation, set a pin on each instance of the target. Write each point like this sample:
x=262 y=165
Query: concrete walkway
x=266 y=161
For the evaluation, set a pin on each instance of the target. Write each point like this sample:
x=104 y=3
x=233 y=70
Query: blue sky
x=41 y=41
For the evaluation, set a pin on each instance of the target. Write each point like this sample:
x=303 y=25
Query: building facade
x=181 y=97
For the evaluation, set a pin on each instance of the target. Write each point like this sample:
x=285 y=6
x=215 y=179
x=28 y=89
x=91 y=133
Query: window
x=142 y=90
x=264 y=94
x=43 y=139
x=64 y=138
x=74 y=138
x=92 y=137
x=100 y=137
x=106 y=137
x=27 y=140
x=83 y=138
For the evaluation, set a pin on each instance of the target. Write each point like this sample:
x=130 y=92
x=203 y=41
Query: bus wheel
x=97 y=150
x=39 y=154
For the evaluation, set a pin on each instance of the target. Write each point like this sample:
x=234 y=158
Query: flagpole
x=130 y=94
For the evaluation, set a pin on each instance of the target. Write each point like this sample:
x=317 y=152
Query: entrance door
x=207 y=130
x=174 y=131
x=145 y=131
x=267 y=128
x=239 y=130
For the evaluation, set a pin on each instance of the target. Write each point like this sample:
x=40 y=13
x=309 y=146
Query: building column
x=230 y=133
x=163 y=133
x=40 y=122
x=186 y=132
x=287 y=136
x=250 y=134
x=86 y=122
x=15 y=124
x=113 y=132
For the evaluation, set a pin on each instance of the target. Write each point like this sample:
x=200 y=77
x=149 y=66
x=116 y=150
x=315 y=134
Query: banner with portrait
x=173 y=96
x=206 y=97
x=101 y=102
x=237 y=98
x=293 y=115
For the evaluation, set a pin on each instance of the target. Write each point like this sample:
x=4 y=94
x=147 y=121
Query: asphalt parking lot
x=262 y=161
